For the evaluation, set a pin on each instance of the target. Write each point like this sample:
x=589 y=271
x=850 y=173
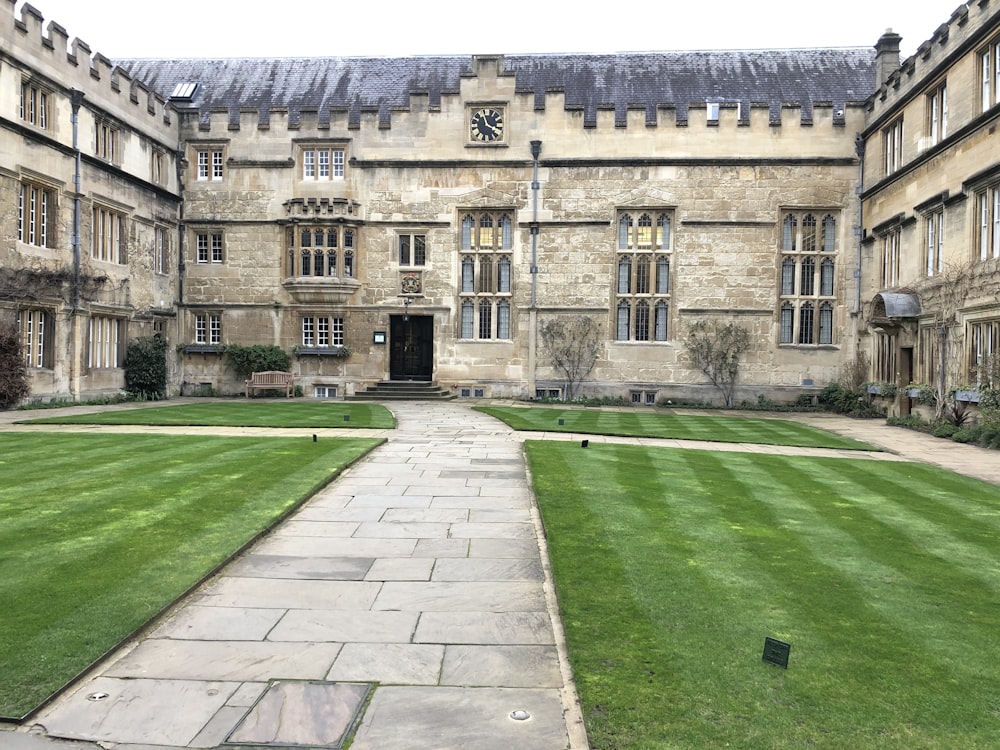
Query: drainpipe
x=76 y=99
x=942 y=333
x=180 y=319
x=75 y=333
x=859 y=149
x=536 y=150
x=178 y=162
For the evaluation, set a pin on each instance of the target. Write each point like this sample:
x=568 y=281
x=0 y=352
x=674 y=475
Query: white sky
x=231 y=28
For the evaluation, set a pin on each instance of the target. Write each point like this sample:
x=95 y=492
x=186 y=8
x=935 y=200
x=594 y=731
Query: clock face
x=487 y=125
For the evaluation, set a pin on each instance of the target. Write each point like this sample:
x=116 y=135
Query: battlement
x=46 y=49
x=969 y=25
x=333 y=122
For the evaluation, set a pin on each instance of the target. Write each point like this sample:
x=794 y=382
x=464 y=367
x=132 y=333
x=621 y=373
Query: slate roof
x=620 y=82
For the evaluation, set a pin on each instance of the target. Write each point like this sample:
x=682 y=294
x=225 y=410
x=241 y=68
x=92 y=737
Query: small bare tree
x=715 y=349
x=854 y=374
x=572 y=345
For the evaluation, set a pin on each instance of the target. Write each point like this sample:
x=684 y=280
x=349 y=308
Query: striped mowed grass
x=672 y=566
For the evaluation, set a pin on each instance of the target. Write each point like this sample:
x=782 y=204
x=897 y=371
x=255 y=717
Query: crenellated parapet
x=46 y=53
x=969 y=26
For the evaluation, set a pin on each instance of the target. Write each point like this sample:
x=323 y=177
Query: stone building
x=89 y=207
x=930 y=252
x=427 y=216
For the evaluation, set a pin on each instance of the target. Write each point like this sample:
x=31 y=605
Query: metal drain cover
x=310 y=714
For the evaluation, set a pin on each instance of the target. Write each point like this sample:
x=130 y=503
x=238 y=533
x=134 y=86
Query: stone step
x=403 y=390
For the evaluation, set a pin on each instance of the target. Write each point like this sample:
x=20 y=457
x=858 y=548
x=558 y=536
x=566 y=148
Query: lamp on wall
x=407 y=301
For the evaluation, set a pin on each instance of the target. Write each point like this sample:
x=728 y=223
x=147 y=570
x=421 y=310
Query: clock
x=486 y=125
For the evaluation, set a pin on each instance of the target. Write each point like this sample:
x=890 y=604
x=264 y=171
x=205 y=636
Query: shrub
x=944 y=430
x=967 y=435
x=146 y=368
x=246 y=360
x=911 y=421
x=853 y=402
x=14 y=384
x=989 y=405
x=989 y=436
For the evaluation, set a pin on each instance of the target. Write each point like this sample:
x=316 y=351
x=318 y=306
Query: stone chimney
x=887 y=56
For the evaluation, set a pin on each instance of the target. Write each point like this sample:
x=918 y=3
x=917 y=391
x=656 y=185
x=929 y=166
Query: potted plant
x=881 y=388
x=968 y=393
x=920 y=392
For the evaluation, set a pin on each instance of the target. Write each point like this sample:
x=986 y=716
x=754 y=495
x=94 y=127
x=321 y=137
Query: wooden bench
x=270 y=380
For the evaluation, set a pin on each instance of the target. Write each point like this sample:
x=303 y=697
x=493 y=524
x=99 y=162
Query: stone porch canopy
x=891 y=308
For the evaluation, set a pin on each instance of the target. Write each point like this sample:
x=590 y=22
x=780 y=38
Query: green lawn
x=723 y=429
x=310 y=413
x=98 y=533
x=672 y=566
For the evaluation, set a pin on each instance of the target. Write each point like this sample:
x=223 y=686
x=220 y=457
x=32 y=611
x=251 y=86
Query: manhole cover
x=314 y=714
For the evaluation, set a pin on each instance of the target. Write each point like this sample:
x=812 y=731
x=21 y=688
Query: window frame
x=806 y=284
x=934 y=234
x=156 y=166
x=982 y=343
x=411 y=249
x=208 y=328
x=161 y=250
x=987 y=221
x=36 y=214
x=107 y=140
x=105 y=342
x=892 y=147
x=988 y=75
x=891 y=242
x=642 y=281
x=210 y=247
x=109 y=231
x=485 y=271
x=335 y=255
x=210 y=162
x=37 y=330
x=322 y=163
x=321 y=331
x=33 y=104
x=937 y=112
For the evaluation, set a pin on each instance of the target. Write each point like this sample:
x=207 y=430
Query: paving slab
x=502 y=666
x=325 y=626
x=460 y=596
x=232 y=591
x=532 y=628
x=15 y=738
x=389 y=663
x=488 y=569
x=219 y=623
x=432 y=718
x=310 y=568
x=151 y=711
x=278 y=544
x=237 y=661
x=519 y=548
x=402 y=569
